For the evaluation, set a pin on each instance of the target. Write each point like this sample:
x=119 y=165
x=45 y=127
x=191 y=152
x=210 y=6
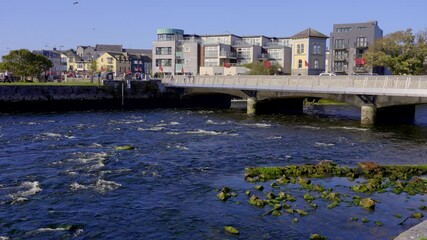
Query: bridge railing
x=375 y=85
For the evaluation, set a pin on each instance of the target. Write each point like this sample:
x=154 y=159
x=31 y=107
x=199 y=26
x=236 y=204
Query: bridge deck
x=409 y=86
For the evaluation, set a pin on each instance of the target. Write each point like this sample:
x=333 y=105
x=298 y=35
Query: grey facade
x=55 y=58
x=176 y=53
x=348 y=43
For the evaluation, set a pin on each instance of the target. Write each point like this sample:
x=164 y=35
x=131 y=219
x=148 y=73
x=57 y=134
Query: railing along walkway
x=410 y=86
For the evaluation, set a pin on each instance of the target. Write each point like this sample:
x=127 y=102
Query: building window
x=362 y=28
x=211 y=62
x=163 y=62
x=316 y=64
x=163 y=51
x=211 y=52
x=187 y=49
x=300 y=63
x=339 y=43
x=298 y=49
x=244 y=53
x=102 y=59
x=302 y=48
x=316 y=48
x=343 y=29
x=110 y=60
x=187 y=61
x=361 y=42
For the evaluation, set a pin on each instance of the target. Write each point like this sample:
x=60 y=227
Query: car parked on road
x=366 y=74
x=327 y=74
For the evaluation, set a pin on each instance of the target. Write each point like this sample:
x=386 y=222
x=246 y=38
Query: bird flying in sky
x=75 y=3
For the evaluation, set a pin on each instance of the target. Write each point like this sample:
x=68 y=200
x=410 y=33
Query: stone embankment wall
x=111 y=95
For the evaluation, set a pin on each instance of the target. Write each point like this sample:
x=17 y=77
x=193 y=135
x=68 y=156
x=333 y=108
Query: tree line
x=402 y=52
x=25 y=64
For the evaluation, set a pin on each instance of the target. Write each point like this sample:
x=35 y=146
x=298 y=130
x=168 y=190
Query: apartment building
x=348 y=43
x=220 y=54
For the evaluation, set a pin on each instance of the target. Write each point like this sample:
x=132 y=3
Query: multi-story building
x=116 y=62
x=55 y=57
x=164 y=51
x=309 y=52
x=348 y=43
x=140 y=60
x=222 y=54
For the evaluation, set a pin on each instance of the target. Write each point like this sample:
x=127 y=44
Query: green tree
x=25 y=64
x=403 y=52
x=93 y=66
x=260 y=68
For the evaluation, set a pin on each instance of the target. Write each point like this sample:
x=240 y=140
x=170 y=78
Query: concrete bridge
x=379 y=97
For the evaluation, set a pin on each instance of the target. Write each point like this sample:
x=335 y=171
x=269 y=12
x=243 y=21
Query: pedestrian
x=6 y=77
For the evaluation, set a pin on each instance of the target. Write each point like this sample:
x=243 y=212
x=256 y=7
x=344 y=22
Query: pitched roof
x=108 y=48
x=138 y=51
x=117 y=55
x=309 y=33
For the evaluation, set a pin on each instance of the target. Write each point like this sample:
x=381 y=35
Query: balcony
x=225 y=54
x=242 y=43
x=361 y=69
x=340 y=69
x=264 y=56
x=340 y=58
x=276 y=44
x=361 y=45
x=360 y=61
x=341 y=46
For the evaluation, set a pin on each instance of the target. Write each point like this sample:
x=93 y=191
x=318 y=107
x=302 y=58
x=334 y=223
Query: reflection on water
x=62 y=177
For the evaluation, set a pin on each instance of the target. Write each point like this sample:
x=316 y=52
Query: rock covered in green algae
x=231 y=230
x=256 y=201
x=378 y=178
x=367 y=203
x=225 y=194
x=316 y=236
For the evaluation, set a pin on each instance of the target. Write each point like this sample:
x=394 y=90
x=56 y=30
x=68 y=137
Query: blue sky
x=44 y=24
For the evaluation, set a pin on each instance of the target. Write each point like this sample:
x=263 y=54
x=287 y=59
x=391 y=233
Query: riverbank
x=23 y=97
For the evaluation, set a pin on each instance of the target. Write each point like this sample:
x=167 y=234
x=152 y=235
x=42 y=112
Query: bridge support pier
x=367 y=114
x=251 y=105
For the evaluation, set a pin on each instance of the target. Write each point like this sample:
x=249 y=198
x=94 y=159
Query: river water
x=62 y=177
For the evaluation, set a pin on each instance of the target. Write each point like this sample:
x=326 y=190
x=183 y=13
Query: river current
x=63 y=178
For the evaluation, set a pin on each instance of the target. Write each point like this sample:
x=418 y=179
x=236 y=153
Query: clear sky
x=44 y=24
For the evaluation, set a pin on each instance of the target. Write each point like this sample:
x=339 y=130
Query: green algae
x=231 y=230
x=365 y=179
x=225 y=193
x=396 y=179
x=316 y=236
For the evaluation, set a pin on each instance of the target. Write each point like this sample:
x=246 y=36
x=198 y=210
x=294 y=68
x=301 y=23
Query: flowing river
x=63 y=178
